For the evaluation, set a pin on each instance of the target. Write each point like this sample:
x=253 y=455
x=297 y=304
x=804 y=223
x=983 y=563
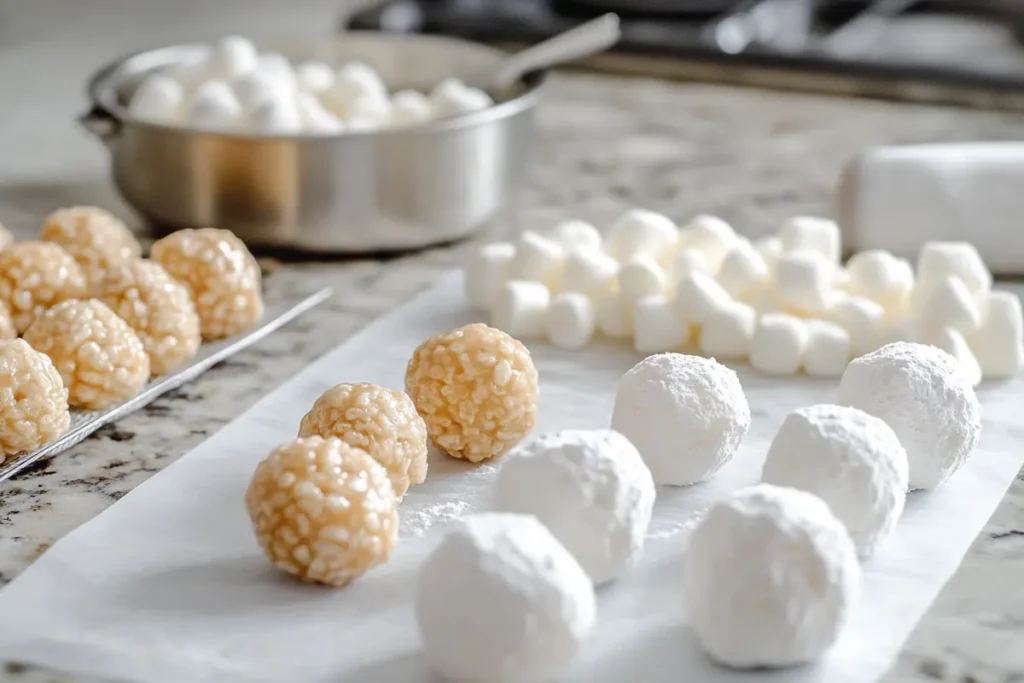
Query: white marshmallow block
x=486 y=272
x=827 y=352
x=898 y=330
x=571 y=320
x=939 y=260
x=949 y=303
x=214 y=107
x=803 y=281
x=258 y=86
x=878 y=275
x=863 y=319
x=538 y=259
x=278 y=67
x=770 y=248
x=809 y=233
x=728 y=331
x=687 y=262
x=355 y=80
x=589 y=272
x=953 y=343
x=698 y=296
x=575 y=234
x=315 y=118
x=657 y=326
x=999 y=342
x=314 y=77
x=709 y=234
x=641 y=232
x=614 y=314
x=276 y=116
x=409 y=107
x=743 y=271
x=157 y=100
x=521 y=309
x=778 y=344
x=452 y=97
x=232 y=56
x=641 y=276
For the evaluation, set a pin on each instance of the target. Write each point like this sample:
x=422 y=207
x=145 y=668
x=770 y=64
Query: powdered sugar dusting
x=417 y=522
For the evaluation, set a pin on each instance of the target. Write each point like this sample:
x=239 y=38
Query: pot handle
x=101 y=123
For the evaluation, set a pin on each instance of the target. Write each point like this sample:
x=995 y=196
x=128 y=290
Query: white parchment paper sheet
x=168 y=585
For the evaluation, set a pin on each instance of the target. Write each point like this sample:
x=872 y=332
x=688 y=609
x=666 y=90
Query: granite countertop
x=751 y=156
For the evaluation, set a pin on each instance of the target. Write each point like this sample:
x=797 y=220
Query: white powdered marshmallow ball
x=232 y=56
x=487 y=271
x=452 y=97
x=949 y=303
x=538 y=259
x=501 y=600
x=276 y=116
x=743 y=271
x=640 y=232
x=409 y=107
x=863 y=319
x=589 y=272
x=686 y=415
x=521 y=309
x=921 y=393
x=953 y=343
x=315 y=118
x=590 y=488
x=577 y=235
x=157 y=100
x=939 y=260
x=778 y=344
x=699 y=296
x=214 y=107
x=851 y=460
x=878 y=275
x=641 y=276
x=999 y=342
x=571 y=320
x=314 y=77
x=728 y=331
x=709 y=234
x=769 y=578
x=803 y=281
x=657 y=326
x=828 y=349
x=614 y=314
x=809 y=233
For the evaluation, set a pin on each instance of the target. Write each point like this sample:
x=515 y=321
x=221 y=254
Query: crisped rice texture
x=33 y=400
x=97 y=239
x=100 y=358
x=35 y=276
x=383 y=422
x=476 y=388
x=7 y=329
x=221 y=275
x=323 y=510
x=158 y=308
x=6 y=238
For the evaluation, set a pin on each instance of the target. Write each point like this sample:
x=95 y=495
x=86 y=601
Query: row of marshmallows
x=784 y=302
x=237 y=88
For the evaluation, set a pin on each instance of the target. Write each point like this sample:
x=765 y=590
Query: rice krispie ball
x=33 y=400
x=35 y=276
x=6 y=238
x=476 y=388
x=383 y=422
x=323 y=510
x=97 y=239
x=7 y=329
x=220 y=273
x=99 y=357
x=158 y=308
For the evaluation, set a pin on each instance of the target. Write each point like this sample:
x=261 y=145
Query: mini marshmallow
x=640 y=232
x=278 y=68
x=803 y=281
x=770 y=248
x=778 y=344
x=949 y=303
x=728 y=331
x=686 y=262
x=743 y=272
x=589 y=272
x=520 y=309
x=409 y=107
x=614 y=314
x=571 y=320
x=157 y=100
x=452 y=97
x=641 y=276
x=656 y=326
x=577 y=235
x=315 y=118
x=314 y=77
x=698 y=295
x=953 y=343
x=863 y=319
x=276 y=117
x=938 y=260
x=709 y=234
x=538 y=259
x=999 y=342
x=897 y=330
x=355 y=80
x=486 y=273
x=255 y=87
x=878 y=275
x=369 y=108
x=214 y=107
x=827 y=352
x=232 y=56
x=807 y=233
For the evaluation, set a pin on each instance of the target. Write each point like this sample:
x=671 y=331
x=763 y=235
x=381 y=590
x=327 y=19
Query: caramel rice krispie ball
x=381 y=421
x=158 y=308
x=97 y=239
x=7 y=329
x=35 y=276
x=33 y=400
x=476 y=388
x=6 y=238
x=220 y=273
x=99 y=357
x=323 y=510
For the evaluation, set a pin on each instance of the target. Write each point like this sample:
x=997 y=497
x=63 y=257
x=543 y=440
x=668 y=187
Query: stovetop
x=959 y=51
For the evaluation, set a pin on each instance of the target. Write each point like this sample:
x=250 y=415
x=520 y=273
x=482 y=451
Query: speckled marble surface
x=751 y=156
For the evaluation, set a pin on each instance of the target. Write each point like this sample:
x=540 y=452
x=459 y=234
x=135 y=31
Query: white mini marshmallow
x=157 y=100
x=878 y=275
x=711 y=235
x=863 y=319
x=589 y=272
x=279 y=68
x=938 y=260
x=999 y=342
x=614 y=314
x=369 y=108
x=640 y=232
x=577 y=235
x=276 y=117
x=809 y=233
x=728 y=331
x=641 y=276
x=257 y=86
x=190 y=74
x=743 y=272
x=698 y=296
x=521 y=309
x=827 y=352
x=358 y=79
x=778 y=344
x=688 y=261
x=770 y=248
x=409 y=107
x=452 y=97
x=898 y=330
x=803 y=281
x=232 y=56
x=953 y=343
x=949 y=303
x=486 y=273
x=571 y=320
x=315 y=118
x=538 y=259
x=314 y=77
x=214 y=107
x=657 y=327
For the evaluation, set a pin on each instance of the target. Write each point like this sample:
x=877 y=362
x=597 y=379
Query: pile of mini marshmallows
x=238 y=89
x=784 y=302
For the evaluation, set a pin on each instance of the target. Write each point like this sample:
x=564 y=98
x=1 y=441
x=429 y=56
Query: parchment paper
x=168 y=585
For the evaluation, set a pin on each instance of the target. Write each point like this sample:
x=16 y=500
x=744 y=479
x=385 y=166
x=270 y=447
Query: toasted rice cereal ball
x=221 y=275
x=97 y=239
x=323 y=510
x=35 y=276
x=99 y=357
x=33 y=400
x=6 y=238
x=158 y=308
x=7 y=330
x=476 y=388
x=381 y=421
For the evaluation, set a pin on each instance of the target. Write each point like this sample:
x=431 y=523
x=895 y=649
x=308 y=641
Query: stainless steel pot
x=353 y=192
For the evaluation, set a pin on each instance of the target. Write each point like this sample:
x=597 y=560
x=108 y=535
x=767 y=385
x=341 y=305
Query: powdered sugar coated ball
x=590 y=488
x=381 y=421
x=500 y=600
x=685 y=414
x=33 y=400
x=851 y=460
x=476 y=389
x=919 y=391
x=323 y=510
x=769 y=578
x=35 y=276
x=99 y=357
x=158 y=308
x=97 y=239
x=220 y=274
